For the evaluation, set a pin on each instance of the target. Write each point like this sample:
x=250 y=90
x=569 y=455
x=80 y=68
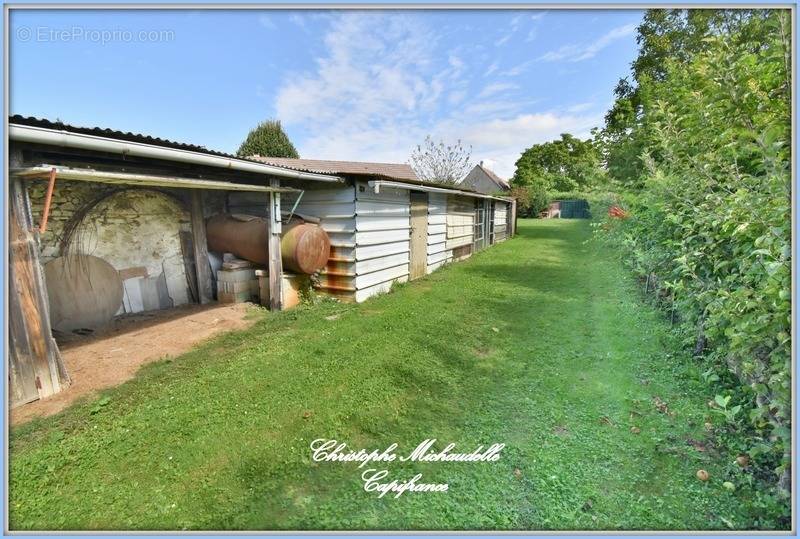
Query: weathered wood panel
x=200 y=244
x=275 y=265
x=460 y=221
x=35 y=366
x=500 y=221
x=419 y=235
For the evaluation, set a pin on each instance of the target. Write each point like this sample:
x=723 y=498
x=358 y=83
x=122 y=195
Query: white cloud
x=457 y=65
x=576 y=53
x=370 y=91
x=496 y=88
x=378 y=89
x=503 y=40
x=491 y=69
x=267 y=22
x=370 y=74
x=518 y=69
x=534 y=31
x=579 y=107
x=456 y=97
x=512 y=29
x=529 y=128
x=298 y=20
x=503 y=140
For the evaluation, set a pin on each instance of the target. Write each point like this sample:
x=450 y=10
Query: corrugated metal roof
x=397 y=171
x=114 y=134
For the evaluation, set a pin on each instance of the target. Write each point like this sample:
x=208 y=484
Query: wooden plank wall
x=460 y=221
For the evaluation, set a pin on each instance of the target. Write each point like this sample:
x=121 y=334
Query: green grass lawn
x=541 y=343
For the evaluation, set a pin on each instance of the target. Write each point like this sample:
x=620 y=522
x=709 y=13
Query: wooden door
x=419 y=234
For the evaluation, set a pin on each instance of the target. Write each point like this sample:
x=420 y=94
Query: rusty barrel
x=305 y=247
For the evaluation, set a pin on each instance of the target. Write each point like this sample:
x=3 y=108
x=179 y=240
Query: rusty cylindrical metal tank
x=305 y=247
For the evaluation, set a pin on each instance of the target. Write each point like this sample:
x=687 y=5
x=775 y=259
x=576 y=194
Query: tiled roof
x=495 y=178
x=396 y=171
x=117 y=135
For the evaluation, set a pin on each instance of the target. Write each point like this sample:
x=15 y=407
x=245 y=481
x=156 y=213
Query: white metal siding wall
x=336 y=207
x=383 y=230
x=438 y=254
x=369 y=237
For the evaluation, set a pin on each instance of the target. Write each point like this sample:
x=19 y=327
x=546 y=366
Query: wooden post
x=513 y=217
x=202 y=267
x=36 y=368
x=274 y=246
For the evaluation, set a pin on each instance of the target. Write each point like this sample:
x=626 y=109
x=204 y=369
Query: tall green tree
x=267 y=140
x=665 y=35
x=566 y=164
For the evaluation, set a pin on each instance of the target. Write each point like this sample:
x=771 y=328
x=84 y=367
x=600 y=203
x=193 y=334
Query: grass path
x=540 y=343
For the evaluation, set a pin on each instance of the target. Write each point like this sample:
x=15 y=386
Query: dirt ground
x=113 y=356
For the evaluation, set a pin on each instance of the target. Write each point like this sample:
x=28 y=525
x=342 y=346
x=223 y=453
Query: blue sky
x=361 y=85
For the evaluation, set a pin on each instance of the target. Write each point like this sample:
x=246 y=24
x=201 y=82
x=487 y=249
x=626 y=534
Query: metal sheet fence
x=574 y=209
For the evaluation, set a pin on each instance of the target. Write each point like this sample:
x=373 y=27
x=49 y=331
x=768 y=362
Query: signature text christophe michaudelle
x=375 y=480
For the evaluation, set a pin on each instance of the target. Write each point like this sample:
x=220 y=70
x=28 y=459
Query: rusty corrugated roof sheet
x=396 y=171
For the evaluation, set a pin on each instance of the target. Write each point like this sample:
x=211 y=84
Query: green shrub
x=530 y=199
x=710 y=232
x=267 y=140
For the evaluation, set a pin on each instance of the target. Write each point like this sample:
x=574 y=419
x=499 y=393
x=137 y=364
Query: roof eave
x=65 y=138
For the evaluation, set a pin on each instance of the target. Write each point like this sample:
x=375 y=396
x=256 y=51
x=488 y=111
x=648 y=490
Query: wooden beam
x=274 y=248
x=129 y=178
x=204 y=291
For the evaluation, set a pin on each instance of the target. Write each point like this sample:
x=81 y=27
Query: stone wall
x=138 y=231
x=68 y=197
